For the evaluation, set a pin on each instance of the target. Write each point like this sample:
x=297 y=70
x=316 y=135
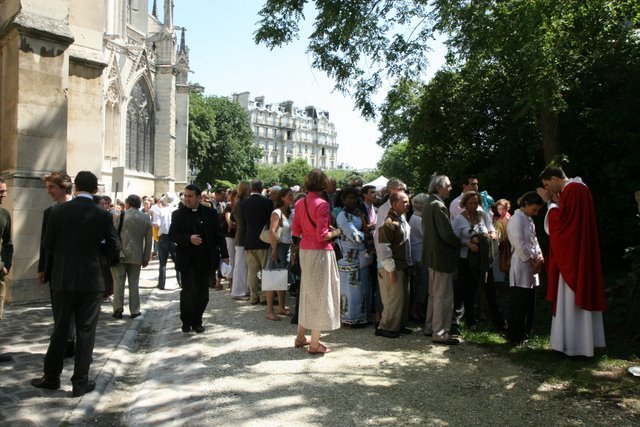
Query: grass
x=605 y=376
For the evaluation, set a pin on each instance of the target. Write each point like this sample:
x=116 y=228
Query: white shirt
x=286 y=227
x=163 y=219
x=464 y=230
x=454 y=207
x=521 y=231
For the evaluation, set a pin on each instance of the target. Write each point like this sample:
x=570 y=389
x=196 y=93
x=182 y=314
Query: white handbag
x=275 y=280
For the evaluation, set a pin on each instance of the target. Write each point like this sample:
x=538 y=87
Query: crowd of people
x=351 y=257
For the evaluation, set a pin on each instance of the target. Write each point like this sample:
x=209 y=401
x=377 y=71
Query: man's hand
x=225 y=260
x=144 y=264
x=40 y=275
x=195 y=239
x=547 y=195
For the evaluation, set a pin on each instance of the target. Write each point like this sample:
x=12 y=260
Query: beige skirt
x=319 y=290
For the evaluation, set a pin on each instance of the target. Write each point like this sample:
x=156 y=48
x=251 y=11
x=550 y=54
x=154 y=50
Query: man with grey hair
x=439 y=255
x=136 y=237
x=419 y=276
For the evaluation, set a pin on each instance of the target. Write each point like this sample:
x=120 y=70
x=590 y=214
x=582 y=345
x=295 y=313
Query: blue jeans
x=165 y=248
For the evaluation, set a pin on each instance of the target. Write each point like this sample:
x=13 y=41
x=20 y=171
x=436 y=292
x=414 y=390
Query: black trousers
x=194 y=295
x=85 y=307
x=522 y=306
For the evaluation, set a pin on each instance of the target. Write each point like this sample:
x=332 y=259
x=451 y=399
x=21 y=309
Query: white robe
x=574 y=331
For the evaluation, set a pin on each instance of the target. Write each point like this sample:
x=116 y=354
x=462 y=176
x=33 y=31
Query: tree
x=357 y=43
x=394 y=163
x=220 y=140
x=293 y=173
x=268 y=174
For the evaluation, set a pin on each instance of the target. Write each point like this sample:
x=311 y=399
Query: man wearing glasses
x=6 y=252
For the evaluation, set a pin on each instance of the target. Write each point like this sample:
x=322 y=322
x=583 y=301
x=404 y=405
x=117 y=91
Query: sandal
x=284 y=312
x=321 y=349
x=272 y=316
x=299 y=344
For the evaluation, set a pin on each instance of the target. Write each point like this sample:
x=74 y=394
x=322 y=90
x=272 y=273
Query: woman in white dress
x=526 y=263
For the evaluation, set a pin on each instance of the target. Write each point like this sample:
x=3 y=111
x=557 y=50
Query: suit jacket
x=45 y=260
x=440 y=245
x=136 y=237
x=255 y=213
x=74 y=234
x=183 y=225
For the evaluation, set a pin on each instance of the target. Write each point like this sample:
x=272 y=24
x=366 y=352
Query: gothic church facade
x=88 y=85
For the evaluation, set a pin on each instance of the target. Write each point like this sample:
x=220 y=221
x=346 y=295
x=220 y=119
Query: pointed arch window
x=140 y=145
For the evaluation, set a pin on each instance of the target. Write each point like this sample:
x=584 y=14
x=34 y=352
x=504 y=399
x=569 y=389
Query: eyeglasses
x=3 y=191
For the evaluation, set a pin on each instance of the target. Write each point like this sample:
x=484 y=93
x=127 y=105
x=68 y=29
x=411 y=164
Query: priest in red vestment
x=576 y=285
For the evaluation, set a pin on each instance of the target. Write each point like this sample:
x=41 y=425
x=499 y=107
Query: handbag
x=504 y=255
x=275 y=280
x=265 y=235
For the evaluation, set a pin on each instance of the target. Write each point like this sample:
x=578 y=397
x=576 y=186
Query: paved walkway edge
x=114 y=367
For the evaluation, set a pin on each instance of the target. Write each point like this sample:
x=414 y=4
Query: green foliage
x=394 y=164
x=293 y=173
x=220 y=140
x=222 y=183
x=357 y=43
x=526 y=82
x=268 y=174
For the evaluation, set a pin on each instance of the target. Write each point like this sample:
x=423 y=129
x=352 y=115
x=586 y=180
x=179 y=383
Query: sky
x=225 y=60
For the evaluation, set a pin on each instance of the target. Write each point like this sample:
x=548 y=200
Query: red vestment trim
x=574 y=249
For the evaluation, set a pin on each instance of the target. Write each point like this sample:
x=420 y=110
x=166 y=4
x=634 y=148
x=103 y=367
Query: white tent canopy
x=380 y=182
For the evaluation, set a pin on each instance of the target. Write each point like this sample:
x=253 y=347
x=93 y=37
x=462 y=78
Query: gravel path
x=244 y=371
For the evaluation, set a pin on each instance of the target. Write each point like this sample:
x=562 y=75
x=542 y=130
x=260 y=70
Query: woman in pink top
x=320 y=286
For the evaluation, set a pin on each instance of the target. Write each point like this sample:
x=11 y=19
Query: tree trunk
x=550 y=144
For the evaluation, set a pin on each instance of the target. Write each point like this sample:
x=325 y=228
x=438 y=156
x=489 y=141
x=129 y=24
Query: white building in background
x=286 y=132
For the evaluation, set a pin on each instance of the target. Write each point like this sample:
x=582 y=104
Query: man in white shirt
x=165 y=246
x=469 y=183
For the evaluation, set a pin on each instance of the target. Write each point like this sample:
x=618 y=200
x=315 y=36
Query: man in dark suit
x=200 y=245
x=255 y=215
x=59 y=187
x=73 y=238
x=6 y=253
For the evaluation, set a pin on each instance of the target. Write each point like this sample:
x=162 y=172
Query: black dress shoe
x=387 y=334
x=117 y=314
x=134 y=315
x=186 y=328
x=198 y=329
x=44 y=382
x=160 y=287
x=405 y=330
x=4 y=358
x=83 y=388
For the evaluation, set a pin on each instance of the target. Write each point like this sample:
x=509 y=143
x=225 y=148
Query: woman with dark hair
x=526 y=263
x=280 y=249
x=240 y=287
x=319 y=291
x=230 y=233
x=355 y=286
